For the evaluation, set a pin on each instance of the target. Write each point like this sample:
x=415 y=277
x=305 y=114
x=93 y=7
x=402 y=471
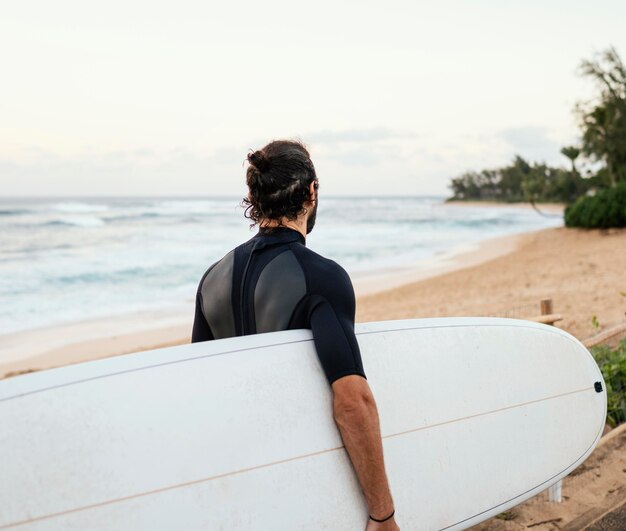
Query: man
x=274 y=282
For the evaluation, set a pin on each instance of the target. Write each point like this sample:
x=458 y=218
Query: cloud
x=375 y=134
x=133 y=172
x=365 y=161
x=532 y=142
x=356 y=157
x=367 y=154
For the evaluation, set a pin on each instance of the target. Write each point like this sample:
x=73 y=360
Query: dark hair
x=279 y=177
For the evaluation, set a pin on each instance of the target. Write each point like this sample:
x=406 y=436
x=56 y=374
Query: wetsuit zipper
x=242 y=306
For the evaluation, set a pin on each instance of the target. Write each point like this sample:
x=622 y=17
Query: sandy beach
x=582 y=271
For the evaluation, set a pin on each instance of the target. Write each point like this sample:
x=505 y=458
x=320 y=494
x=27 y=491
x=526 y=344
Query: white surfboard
x=477 y=415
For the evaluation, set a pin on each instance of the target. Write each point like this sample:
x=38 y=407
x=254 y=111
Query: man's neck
x=298 y=224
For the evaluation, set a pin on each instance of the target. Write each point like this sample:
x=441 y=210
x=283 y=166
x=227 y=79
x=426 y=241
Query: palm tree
x=572 y=153
x=604 y=121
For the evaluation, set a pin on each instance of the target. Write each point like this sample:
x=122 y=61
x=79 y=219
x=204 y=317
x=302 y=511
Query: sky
x=134 y=97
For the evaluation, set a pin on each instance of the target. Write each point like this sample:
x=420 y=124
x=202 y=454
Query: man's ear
x=312 y=189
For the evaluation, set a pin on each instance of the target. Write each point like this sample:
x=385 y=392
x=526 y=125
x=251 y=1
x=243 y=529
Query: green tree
x=603 y=122
x=520 y=181
x=512 y=177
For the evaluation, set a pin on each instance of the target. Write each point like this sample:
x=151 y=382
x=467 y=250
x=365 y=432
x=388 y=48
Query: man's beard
x=310 y=222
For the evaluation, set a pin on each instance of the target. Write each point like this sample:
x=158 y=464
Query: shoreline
x=552 y=208
x=582 y=271
x=469 y=255
x=49 y=347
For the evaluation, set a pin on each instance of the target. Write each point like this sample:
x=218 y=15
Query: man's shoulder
x=321 y=270
x=219 y=268
x=311 y=259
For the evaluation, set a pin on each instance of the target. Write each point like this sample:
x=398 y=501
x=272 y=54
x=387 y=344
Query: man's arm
x=356 y=416
x=332 y=311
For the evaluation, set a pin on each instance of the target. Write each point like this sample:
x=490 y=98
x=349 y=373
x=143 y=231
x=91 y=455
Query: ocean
x=68 y=260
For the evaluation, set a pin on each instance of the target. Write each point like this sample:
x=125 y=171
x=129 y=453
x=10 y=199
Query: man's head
x=282 y=185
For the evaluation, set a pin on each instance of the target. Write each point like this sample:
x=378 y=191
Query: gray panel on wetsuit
x=280 y=287
x=216 y=298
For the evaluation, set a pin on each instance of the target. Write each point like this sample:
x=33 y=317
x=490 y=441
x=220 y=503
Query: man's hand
x=389 y=525
x=356 y=416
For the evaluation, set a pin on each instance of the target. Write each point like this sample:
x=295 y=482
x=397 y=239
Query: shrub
x=604 y=210
x=612 y=363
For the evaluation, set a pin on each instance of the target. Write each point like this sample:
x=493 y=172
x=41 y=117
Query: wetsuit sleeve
x=201 y=330
x=332 y=323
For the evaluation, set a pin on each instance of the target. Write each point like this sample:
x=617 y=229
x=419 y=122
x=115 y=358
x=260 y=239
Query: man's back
x=273 y=282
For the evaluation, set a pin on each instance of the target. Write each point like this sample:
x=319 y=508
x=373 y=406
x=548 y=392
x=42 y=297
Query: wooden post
x=554 y=492
x=546 y=306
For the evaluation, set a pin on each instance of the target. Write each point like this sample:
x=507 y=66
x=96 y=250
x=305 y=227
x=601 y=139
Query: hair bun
x=259 y=160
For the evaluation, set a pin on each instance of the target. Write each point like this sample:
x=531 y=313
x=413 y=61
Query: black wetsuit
x=273 y=282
